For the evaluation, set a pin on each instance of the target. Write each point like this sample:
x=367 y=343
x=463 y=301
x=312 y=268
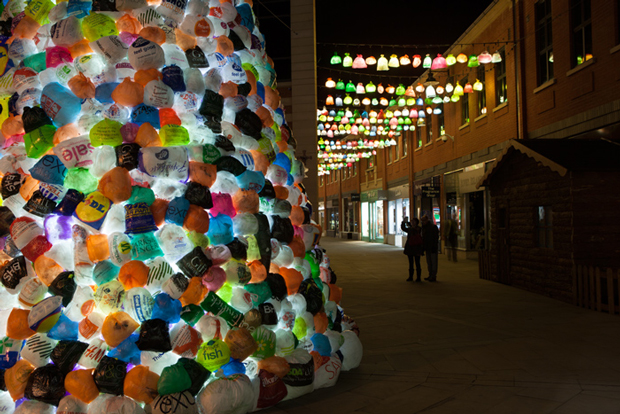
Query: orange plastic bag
x=154 y=34
x=158 y=209
x=117 y=327
x=133 y=274
x=202 y=173
x=168 y=116
x=128 y=23
x=116 y=185
x=240 y=343
x=276 y=365
x=27 y=28
x=81 y=86
x=293 y=279
x=13 y=125
x=144 y=76
x=81 y=384
x=195 y=292
x=246 y=201
x=17 y=326
x=197 y=219
x=16 y=378
x=141 y=384
x=80 y=48
x=148 y=136
x=128 y=93
x=97 y=246
x=185 y=41
x=258 y=271
x=66 y=132
x=47 y=269
x=297 y=216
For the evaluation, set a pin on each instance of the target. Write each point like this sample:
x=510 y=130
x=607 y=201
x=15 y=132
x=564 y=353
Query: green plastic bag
x=39 y=141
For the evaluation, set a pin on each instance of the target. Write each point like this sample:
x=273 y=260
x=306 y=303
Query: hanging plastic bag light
x=428 y=62
x=478 y=85
x=340 y=85
x=419 y=88
x=370 y=60
x=440 y=90
x=366 y=101
x=338 y=101
x=419 y=102
x=383 y=102
x=335 y=60
x=329 y=83
x=449 y=87
x=410 y=101
x=370 y=87
x=360 y=89
x=382 y=64
x=417 y=60
x=329 y=100
x=437 y=111
x=485 y=58
x=437 y=100
x=468 y=88
x=350 y=87
x=430 y=92
x=455 y=98
x=356 y=102
x=473 y=61
x=450 y=60
x=461 y=58
x=497 y=57
x=393 y=63
x=380 y=88
x=375 y=101
x=458 y=89
x=446 y=99
x=404 y=60
x=347 y=62
x=400 y=90
x=402 y=102
x=359 y=63
x=390 y=89
x=439 y=63
x=410 y=91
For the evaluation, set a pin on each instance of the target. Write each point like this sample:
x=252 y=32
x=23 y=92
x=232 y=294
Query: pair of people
x=421 y=241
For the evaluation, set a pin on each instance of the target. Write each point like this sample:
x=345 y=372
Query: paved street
x=463 y=345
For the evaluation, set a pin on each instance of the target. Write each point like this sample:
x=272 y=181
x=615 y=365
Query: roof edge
x=514 y=145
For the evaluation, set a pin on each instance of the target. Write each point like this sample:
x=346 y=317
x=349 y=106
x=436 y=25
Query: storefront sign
x=332 y=203
x=374 y=195
x=321 y=205
x=469 y=179
x=355 y=197
x=431 y=191
x=417 y=186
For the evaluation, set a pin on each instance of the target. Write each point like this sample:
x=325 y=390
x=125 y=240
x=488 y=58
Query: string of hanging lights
x=439 y=62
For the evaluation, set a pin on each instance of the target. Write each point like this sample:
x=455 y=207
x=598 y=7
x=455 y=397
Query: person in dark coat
x=413 y=247
x=430 y=242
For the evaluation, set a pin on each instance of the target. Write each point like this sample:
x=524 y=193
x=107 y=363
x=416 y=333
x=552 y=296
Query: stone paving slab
x=463 y=345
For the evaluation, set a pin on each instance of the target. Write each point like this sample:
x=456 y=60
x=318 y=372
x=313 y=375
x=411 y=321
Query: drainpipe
x=517 y=65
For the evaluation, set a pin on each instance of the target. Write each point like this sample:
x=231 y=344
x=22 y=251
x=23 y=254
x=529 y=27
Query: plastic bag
x=46 y=384
x=154 y=336
x=67 y=353
x=110 y=375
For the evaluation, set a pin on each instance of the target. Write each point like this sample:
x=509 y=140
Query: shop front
x=332 y=213
x=427 y=198
x=321 y=211
x=398 y=209
x=351 y=216
x=467 y=205
x=373 y=214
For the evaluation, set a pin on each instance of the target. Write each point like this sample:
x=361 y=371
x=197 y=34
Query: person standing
x=430 y=241
x=451 y=235
x=413 y=247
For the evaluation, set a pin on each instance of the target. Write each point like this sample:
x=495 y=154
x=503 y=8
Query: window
x=441 y=122
x=343 y=173
x=390 y=151
x=371 y=161
x=544 y=226
x=429 y=128
x=544 y=41
x=501 y=86
x=464 y=104
x=405 y=139
x=482 y=95
x=418 y=138
x=581 y=22
x=354 y=169
x=321 y=181
x=397 y=150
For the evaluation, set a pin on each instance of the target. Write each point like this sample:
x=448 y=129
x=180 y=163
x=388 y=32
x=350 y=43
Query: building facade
x=557 y=78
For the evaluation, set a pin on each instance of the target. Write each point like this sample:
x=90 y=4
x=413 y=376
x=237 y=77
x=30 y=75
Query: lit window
x=581 y=22
x=501 y=86
x=544 y=41
x=544 y=226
